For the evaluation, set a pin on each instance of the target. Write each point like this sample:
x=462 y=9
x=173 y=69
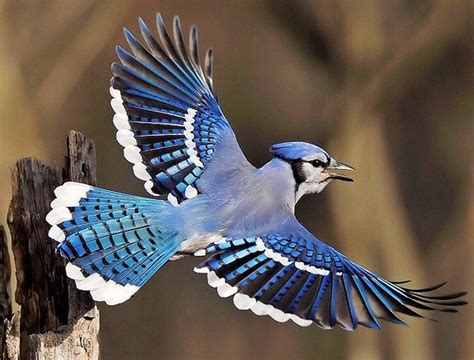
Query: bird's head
x=313 y=168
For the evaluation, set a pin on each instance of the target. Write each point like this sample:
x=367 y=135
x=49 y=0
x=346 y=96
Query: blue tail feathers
x=112 y=241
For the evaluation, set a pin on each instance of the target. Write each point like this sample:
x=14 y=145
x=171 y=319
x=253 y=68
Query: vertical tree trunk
x=56 y=321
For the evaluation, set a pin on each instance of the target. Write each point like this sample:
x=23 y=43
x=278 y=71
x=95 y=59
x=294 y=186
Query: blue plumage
x=296 y=150
x=335 y=292
x=112 y=235
x=172 y=129
x=170 y=113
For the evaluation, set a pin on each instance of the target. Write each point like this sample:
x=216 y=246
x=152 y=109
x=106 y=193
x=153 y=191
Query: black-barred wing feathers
x=167 y=115
x=304 y=280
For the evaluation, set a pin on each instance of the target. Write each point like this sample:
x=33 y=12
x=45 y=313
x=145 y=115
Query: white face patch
x=312 y=173
x=316 y=180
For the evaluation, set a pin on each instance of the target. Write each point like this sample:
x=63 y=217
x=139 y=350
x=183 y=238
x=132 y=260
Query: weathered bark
x=5 y=301
x=56 y=321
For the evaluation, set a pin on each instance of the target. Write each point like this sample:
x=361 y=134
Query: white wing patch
x=126 y=138
x=188 y=133
x=312 y=269
x=132 y=152
x=173 y=200
x=245 y=302
x=272 y=254
x=285 y=261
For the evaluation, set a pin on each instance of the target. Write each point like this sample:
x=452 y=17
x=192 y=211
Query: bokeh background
x=387 y=86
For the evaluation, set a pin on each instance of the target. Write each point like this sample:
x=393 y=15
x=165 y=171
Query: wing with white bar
x=309 y=282
x=167 y=115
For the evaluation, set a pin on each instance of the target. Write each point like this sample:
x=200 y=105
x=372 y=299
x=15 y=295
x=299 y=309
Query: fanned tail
x=112 y=242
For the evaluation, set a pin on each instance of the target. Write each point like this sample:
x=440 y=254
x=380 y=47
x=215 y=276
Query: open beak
x=336 y=165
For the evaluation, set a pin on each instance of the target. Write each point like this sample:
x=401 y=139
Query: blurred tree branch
x=359 y=113
x=42 y=28
x=83 y=48
x=446 y=24
x=308 y=34
x=467 y=350
x=387 y=85
x=363 y=117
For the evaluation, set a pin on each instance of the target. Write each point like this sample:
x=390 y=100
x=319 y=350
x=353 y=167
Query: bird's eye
x=317 y=163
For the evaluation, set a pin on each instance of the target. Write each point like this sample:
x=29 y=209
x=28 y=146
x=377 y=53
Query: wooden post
x=56 y=321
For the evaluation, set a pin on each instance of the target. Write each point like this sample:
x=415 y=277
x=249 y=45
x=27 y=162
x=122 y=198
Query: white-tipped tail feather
x=73 y=272
x=121 y=122
x=132 y=154
x=91 y=282
x=58 y=215
x=126 y=138
x=108 y=291
x=67 y=195
x=56 y=234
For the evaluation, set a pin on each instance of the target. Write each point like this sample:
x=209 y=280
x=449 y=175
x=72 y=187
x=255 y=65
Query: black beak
x=336 y=165
x=341 y=177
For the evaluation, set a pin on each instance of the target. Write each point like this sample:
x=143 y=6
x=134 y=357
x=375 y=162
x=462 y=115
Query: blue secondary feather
x=274 y=271
x=164 y=82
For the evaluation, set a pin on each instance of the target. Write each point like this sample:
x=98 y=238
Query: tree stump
x=5 y=300
x=56 y=321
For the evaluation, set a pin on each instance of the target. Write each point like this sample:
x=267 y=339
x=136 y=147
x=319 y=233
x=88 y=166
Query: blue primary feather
x=347 y=295
x=320 y=294
x=161 y=85
x=333 y=301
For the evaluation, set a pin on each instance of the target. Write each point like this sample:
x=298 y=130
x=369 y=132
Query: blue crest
x=295 y=150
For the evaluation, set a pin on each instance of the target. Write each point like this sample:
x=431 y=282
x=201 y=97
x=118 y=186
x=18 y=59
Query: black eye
x=317 y=163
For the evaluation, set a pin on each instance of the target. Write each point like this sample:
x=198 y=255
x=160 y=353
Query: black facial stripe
x=298 y=174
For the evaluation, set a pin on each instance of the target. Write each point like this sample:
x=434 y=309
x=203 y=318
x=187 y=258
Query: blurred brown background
x=386 y=86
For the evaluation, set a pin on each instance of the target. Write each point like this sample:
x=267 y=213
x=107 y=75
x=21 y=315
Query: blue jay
x=215 y=204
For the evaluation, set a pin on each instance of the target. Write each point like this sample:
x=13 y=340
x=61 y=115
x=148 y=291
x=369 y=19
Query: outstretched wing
x=307 y=281
x=167 y=115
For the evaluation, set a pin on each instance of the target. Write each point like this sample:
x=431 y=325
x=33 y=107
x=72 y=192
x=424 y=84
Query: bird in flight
x=215 y=204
